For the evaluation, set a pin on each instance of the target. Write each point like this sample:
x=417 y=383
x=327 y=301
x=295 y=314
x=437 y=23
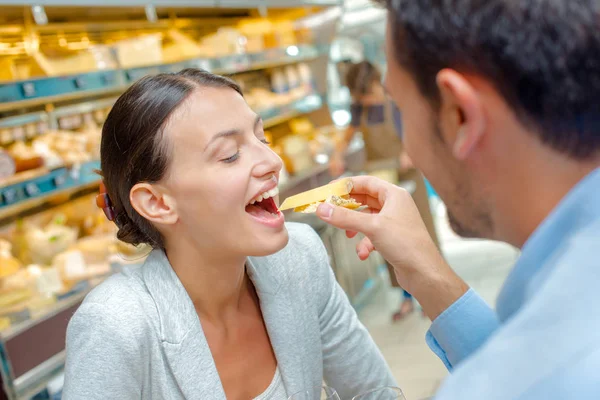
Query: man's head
x=488 y=87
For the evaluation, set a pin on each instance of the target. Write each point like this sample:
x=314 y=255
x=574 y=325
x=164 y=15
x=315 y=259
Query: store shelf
x=21 y=196
x=27 y=93
x=279 y=115
x=177 y=3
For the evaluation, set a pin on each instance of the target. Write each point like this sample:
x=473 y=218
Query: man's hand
x=393 y=226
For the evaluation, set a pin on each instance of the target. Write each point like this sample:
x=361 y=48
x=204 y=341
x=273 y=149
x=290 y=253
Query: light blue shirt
x=543 y=342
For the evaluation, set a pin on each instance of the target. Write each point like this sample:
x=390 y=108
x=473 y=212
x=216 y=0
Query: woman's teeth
x=266 y=195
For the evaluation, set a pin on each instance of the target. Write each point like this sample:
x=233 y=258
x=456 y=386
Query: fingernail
x=325 y=210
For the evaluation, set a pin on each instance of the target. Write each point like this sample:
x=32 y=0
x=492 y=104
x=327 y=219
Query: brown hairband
x=103 y=202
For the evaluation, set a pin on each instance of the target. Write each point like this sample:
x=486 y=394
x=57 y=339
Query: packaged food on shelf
x=302 y=126
x=293 y=82
x=260 y=99
x=255 y=31
x=179 y=47
x=7 y=165
x=25 y=157
x=47 y=280
x=92 y=58
x=283 y=34
x=95 y=249
x=139 y=51
x=8 y=70
x=44 y=243
x=306 y=77
x=279 y=83
x=297 y=149
x=226 y=41
x=8 y=262
x=74 y=268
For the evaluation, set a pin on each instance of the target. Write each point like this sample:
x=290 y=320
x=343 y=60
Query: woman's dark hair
x=543 y=56
x=360 y=77
x=133 y=149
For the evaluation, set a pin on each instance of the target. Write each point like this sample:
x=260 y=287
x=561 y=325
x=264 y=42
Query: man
x=501 y=111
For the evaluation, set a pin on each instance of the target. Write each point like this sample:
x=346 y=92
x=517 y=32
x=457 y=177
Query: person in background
x=500 y=102
x=380 y=123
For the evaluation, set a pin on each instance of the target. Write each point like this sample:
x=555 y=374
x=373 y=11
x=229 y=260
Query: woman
x=379 y=121
x=232 y=302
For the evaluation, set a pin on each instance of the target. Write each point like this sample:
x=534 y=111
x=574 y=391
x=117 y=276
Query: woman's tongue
x=259 y=210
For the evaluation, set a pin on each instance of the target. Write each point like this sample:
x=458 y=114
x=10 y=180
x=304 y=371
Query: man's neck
x=215 y=283
x=533 y=190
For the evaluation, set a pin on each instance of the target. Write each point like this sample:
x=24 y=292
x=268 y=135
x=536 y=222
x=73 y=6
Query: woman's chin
x=269 y=244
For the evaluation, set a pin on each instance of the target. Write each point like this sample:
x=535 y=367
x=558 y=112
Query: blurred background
x=63 y=63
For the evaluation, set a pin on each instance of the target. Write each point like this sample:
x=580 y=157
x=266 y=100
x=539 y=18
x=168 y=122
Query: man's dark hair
x=543 y=56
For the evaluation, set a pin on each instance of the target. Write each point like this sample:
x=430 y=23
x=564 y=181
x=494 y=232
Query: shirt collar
x=579 y=208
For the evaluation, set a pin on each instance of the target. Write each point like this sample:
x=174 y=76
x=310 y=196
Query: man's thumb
x=344 y=218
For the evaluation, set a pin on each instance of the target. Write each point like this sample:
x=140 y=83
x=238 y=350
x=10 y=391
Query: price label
x=32 y=189
x=79 y=82
x=28 y=89
x=11 y=195
x=60 y=180
x=108 y=79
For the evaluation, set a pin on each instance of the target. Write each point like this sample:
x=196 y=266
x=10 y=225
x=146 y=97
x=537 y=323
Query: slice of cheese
x=340 y=188
x=348 y=203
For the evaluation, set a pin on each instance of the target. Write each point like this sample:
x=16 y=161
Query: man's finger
x=364 y=249
x=367 y=200
x=345 y=219
x=371 y=186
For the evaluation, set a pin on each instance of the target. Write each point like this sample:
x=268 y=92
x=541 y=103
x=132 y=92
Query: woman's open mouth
x=264 y=210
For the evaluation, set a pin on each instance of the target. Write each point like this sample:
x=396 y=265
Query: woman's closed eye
x=236 y=156
x=232 y=159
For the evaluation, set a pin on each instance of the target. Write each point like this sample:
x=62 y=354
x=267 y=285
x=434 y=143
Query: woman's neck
x=216 y=284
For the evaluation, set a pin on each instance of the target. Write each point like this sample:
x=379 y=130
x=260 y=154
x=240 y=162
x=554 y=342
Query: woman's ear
x=154 y=204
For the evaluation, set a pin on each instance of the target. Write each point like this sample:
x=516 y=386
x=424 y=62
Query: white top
x=275 y=391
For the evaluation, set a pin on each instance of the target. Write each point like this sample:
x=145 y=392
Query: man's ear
x=462 y=118
x=154 y=204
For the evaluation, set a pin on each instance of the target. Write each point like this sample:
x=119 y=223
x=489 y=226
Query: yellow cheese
x=340 y=188
x=348 y=203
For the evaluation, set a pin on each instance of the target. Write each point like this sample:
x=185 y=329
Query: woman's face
x=220 y=164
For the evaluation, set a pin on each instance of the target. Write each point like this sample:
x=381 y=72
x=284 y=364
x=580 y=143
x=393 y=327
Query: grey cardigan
x=138 y=336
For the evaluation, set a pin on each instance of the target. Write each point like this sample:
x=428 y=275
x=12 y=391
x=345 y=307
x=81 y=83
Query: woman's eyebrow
x=232 y=132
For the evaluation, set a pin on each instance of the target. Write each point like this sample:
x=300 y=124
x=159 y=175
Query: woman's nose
x=270 y=162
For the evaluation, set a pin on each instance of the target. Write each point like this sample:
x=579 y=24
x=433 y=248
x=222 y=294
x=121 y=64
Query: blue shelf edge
x=107 y=80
